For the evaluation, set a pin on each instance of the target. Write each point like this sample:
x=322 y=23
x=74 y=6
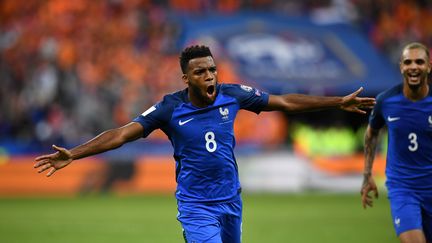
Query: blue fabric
x=211 y=222
x=411 y=211
x=203 y=140
x=409 y=155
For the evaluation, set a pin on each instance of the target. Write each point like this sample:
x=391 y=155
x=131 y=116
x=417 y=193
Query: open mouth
x=211 y=89
x=413 y=75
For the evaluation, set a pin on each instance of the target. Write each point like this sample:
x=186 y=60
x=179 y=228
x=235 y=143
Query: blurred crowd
x=71 y=69
x=390 y=24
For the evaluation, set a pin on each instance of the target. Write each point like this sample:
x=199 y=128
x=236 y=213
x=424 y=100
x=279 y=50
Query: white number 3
x=413 y=140
x=211 y=144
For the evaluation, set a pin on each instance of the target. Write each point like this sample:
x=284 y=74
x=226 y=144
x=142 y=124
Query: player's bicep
x=371 y=133
x=275 y=102
x=131 y=131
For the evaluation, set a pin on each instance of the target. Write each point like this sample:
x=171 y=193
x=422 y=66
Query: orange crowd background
x=71 y=69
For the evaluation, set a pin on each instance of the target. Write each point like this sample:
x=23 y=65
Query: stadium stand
x=71 y=69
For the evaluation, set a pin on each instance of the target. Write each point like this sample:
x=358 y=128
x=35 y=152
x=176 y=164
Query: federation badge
x=246 y=88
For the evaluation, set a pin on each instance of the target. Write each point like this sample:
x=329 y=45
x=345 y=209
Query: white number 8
x=211 y=144
x=413 y=140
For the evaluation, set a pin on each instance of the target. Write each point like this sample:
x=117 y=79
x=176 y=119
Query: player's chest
x=409 y=116
x=193 y=123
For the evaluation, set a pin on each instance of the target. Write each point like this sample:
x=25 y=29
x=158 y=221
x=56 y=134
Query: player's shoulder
x=170 y=102
x=393 y=91
x=174 y=98
x=237 y=89
x=228 y=86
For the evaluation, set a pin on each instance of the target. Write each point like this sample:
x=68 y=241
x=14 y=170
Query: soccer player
x=406 y=109
x=199 y=124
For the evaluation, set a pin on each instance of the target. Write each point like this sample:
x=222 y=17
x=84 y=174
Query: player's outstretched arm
x=105 y=141
x=301 y=103
x=368 y=185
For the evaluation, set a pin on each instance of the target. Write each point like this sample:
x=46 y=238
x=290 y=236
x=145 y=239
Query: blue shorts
x=211 y=222
x=411 y=211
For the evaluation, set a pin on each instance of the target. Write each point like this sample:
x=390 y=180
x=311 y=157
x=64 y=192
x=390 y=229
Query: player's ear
x=185 y=79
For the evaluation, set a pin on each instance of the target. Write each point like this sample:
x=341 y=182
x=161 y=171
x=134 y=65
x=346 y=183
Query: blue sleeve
x=155 y=117
x=249 y=98
x=376 y=119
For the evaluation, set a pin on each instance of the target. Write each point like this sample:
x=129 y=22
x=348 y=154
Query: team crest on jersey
x=397 y=222
x=430 y=121
x=224 y=113
x=246 y=88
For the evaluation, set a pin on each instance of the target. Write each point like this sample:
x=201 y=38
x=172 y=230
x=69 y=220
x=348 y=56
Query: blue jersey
x=409 y=155
x=203 y=140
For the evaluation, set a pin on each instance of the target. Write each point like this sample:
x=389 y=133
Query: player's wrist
x=340 y=102
x=367 y=174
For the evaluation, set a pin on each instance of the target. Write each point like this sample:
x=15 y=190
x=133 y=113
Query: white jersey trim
x=148 y=111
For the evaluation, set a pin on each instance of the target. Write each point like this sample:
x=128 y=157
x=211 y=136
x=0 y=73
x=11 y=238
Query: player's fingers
x=363 y=202
x=376 y=194
x=40 y=163
x=363 y=191
x=366 y=104
x=42 y=157
x=51 y=172
x=357 y=110
x=367 y=100
x=369 y=104
x=44 y=168
x=60 y=149
x=367 y=199
x=363 y=198
x=366 y=202
x=358 y=91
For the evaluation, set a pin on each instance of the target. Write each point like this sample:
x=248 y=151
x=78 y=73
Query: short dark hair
x=192 y=52
x=417 y=45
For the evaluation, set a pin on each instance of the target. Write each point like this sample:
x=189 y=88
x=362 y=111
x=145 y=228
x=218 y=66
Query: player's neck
x=415 y=93
x=197 y=101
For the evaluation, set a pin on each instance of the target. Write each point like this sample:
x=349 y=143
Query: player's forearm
x=105 y=141
x=370 y=145
x=301 y=103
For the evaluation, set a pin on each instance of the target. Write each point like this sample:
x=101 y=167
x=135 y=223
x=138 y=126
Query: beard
x=422 y=80
x=207 y=97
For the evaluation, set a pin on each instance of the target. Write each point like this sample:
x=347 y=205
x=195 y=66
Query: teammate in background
x=199 y=123
x=406 y=109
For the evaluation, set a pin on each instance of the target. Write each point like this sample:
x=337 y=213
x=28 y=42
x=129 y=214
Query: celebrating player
x=199 y=123
x=406 y=109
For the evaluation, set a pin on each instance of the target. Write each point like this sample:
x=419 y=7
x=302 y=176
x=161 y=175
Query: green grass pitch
x=152 y=218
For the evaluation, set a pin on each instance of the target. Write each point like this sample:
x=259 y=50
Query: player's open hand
x=54 y=161
x=352 y=103
x=367 y=187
